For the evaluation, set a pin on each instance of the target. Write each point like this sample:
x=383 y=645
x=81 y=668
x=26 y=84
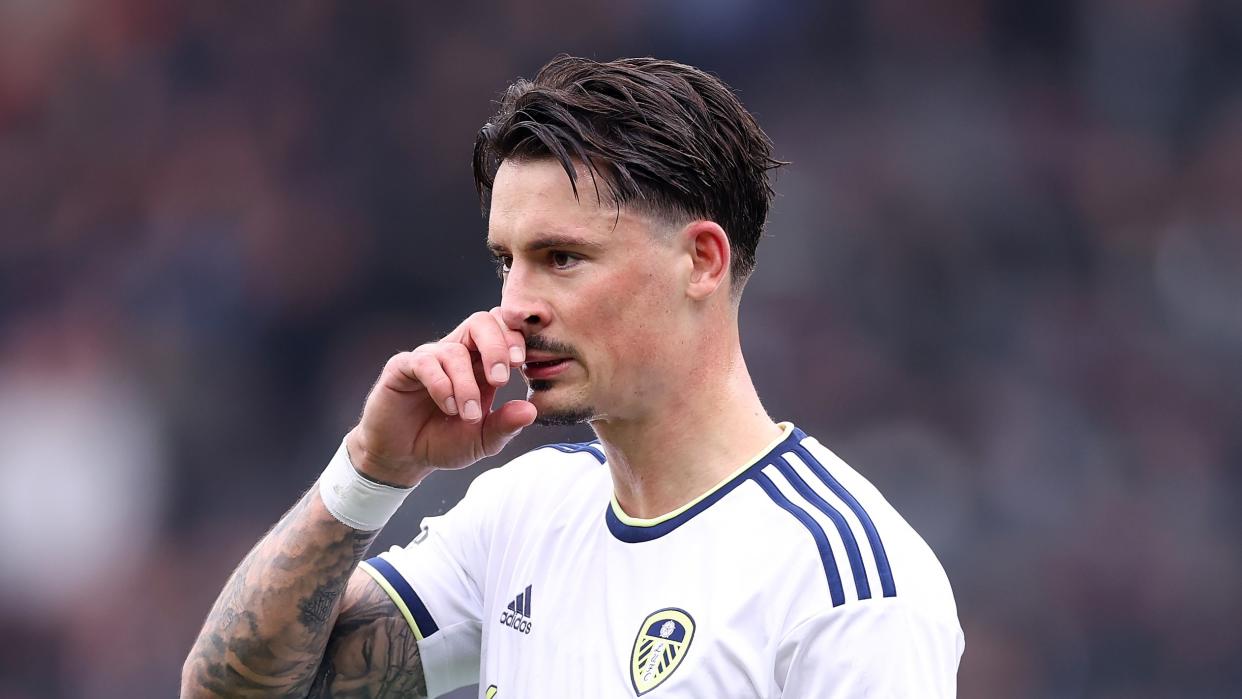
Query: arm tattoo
x=268 y=631
x=372 y=653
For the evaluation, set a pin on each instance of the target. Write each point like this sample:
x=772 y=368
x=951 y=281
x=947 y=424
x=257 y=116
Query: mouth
x=545 y=369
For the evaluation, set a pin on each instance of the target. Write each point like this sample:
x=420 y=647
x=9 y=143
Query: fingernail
x=516 y=354
x=450 y=405
x=472 y=410
x=500 y=372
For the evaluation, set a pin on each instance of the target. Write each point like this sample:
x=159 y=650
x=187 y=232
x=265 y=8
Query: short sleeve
x=436 y=581
x=876 y=648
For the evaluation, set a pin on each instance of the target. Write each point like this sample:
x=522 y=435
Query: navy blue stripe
x=843 y=527
x=887 y=585
x=588 y=447
x=418 y=610
x=632 y=534
x=821 y=541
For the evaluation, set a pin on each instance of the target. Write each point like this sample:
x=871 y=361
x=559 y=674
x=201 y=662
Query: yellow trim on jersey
x=786 y=428
x=491 y=692
x=396 y=597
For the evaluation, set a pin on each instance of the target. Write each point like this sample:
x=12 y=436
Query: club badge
x=663 y=641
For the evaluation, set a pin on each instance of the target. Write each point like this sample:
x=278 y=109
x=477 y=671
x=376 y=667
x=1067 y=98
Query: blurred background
x=1003 y=278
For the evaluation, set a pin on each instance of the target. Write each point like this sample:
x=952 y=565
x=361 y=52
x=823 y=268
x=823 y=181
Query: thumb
x=504 y=424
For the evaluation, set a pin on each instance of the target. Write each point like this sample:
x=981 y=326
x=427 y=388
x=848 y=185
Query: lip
x=540 y=357
x=543 y=371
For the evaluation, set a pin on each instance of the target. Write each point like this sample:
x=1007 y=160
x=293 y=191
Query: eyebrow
x=549 y=241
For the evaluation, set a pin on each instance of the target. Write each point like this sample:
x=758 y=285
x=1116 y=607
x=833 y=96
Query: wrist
x=371 y=467
x=354 y=499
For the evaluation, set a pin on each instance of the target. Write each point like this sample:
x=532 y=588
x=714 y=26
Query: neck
x=665 y=459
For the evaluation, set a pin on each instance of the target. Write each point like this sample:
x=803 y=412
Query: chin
x=556 y=418
x=557 y=410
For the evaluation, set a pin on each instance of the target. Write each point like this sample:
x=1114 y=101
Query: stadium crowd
x=1003 y=280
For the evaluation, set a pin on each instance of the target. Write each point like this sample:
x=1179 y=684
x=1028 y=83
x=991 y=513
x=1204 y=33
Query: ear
x=708 y=247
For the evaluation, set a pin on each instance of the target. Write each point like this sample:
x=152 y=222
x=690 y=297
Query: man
x=696 y=549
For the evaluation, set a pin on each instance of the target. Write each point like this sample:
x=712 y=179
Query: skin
x=646 y=307
x=642 y=309
x=279 y=628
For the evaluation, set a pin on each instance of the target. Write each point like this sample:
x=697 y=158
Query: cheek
x=637 y=323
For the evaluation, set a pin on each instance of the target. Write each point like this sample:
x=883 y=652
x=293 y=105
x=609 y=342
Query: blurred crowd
x=1002 y=278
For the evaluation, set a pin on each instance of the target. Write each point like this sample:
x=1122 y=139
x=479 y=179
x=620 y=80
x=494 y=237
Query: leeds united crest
x=663 y=640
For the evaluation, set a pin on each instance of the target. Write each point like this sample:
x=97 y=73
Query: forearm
x=266 y=634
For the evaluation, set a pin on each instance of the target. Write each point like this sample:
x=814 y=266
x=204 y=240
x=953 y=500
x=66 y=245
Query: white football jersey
x=792 y=578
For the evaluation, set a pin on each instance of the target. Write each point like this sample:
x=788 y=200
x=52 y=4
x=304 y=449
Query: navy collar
x=632 y=530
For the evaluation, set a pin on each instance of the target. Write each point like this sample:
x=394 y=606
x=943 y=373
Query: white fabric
x=454 y=653
x=532 y=537
x=874 y=648
x=355 y=500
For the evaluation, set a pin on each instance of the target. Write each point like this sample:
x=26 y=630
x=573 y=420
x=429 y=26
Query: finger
x=505 y=423
x=421 y=370
x=456 y=362
x=487 y=392
x=515 y=338
x=486 y=337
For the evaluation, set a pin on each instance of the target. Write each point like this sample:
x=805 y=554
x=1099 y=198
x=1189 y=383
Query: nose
x=521 y=308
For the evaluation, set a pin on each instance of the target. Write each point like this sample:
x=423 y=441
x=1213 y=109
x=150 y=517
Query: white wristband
x=355 y=500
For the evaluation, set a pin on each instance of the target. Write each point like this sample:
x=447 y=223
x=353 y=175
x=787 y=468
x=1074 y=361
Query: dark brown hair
x=663 y=136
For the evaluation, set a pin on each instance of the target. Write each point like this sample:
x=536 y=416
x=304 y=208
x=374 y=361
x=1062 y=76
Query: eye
x=503 y=264
x=563 y=260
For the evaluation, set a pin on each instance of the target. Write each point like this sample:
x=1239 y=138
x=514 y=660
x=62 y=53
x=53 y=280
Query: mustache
x=543 y=344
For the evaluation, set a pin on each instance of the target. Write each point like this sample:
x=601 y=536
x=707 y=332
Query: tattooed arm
x=372 y=652
x=282 y=609
x=268 y=632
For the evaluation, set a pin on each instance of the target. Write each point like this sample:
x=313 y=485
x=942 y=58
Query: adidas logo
x=517 y=616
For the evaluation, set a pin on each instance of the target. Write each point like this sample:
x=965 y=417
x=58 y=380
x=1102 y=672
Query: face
x=598 y=293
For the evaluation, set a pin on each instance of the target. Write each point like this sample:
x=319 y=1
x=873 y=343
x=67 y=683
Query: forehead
x=533 y=198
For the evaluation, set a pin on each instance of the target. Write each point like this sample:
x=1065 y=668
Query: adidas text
x=515 y=622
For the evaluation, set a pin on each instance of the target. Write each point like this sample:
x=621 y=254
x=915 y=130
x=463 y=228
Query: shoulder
x=560 y=460
x=543 y=472
x=841 y=536
x=919 y=578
